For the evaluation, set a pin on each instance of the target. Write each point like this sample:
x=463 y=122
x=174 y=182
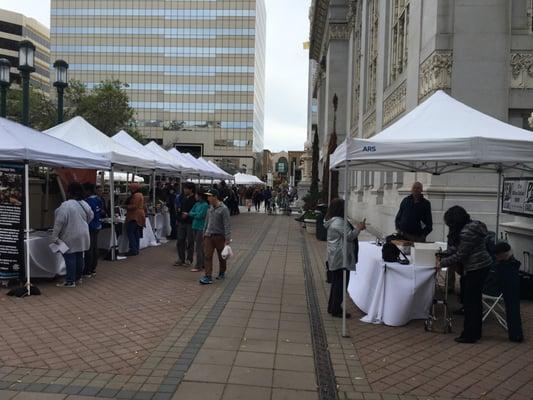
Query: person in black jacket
x=185 y=234
x=414 y=221
x=471 y=253
x=507 y=273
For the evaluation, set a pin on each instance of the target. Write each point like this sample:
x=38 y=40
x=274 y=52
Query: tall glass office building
x=194 y=69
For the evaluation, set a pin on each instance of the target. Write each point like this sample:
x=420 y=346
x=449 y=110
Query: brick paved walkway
x=146 y=330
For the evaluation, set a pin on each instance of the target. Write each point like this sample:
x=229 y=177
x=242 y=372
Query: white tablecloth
x=390 y=293
x=162 y=225
x=43 y=262
x=148 y=239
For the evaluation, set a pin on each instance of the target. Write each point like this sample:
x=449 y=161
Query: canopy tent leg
x=46 y=197
x=154 y=228
x=112 y=211
x=498 y=202
x=329 y=187
x=345 y=249
x=27 y=223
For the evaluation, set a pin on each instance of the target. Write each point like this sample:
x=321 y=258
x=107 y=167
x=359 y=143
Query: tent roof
x=20 y=143
x=167 y=158
x=79 y=132
x=245 y=179
x=125 y=139
x=217 y=168
x=182 y=159
x=441 y=135
x=221 y=174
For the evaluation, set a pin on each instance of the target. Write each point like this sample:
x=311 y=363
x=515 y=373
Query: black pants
x=472 y=284
x=336 y=292
x=510 y=284
x=91 y=255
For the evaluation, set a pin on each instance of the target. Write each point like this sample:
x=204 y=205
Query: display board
x=11 y=221
x=517 y=197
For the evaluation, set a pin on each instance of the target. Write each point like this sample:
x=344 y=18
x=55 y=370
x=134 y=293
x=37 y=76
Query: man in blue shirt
x=95 y=225
x=414 y=221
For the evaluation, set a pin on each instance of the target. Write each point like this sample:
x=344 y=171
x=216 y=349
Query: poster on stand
x=11 y=221
x=517 y=197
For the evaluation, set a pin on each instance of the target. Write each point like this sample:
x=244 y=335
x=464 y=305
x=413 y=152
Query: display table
x=161 y=224
x=390 y=293
x=148 y=239
x=43 y=262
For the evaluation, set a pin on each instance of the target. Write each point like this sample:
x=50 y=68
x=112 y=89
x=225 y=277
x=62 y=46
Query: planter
x=310 y=226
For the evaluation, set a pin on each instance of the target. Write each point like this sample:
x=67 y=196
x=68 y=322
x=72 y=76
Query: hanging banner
x=11 y=221
x=517 y=197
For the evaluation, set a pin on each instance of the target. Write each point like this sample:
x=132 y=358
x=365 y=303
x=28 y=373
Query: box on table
x=425 y=253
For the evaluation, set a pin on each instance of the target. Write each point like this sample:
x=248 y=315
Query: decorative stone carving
x=369 y=125
x=522 y=70
x=339 y=31
x=318 y=17
x=395 y=104
x=435 y=73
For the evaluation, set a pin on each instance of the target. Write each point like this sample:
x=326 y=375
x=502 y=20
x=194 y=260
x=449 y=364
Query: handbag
x=392 y=254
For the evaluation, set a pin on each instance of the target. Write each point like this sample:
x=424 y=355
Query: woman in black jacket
x=471 y=253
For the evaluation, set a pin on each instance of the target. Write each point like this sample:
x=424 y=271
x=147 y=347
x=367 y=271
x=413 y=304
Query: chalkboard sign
x=11 y=221
x=517 y=197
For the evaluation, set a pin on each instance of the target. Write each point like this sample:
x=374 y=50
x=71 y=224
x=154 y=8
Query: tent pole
x=47 y=197
x=329 y=187
x=154 y=228
x=27 y=223
x=112 y=211
x=498 y=201
x=345 y=249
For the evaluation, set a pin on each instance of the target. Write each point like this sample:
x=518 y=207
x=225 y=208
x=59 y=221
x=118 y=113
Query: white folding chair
x=494 y=305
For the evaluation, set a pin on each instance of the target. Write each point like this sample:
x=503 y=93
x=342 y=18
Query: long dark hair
x=456 y=218
x=335 y=209
x=75 y=191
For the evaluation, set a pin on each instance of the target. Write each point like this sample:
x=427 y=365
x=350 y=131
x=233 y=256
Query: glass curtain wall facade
x=194 y=69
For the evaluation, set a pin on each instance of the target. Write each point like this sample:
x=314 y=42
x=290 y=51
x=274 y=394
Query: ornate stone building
x=384 y=57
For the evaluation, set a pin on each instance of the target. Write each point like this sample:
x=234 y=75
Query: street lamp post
x=5 y=66
x=60 y=83
x=26 y=67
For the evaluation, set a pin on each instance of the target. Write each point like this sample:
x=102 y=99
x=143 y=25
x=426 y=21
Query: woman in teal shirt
x=198 y=214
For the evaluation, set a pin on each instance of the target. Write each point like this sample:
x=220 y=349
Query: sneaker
x=221 y=276
x=188 y=263
x=206 y=280
x=87 y=276
x=196 y=269
x=178 y=263
x=66 y=285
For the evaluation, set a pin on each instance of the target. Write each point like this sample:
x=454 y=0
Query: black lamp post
x=60 y=83
x=5 y=66
x=26 y=67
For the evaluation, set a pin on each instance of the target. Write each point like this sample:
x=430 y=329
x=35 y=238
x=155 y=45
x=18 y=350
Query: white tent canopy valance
x=79 y=132
x=441 y=135
x=20 y=143
x=167 y=158
x=245 y=179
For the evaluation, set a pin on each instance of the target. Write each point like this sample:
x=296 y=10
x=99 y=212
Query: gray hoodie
x=335 y=227
x=71 y=225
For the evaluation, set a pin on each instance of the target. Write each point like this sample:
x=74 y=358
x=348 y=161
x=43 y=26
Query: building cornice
x=319 y=14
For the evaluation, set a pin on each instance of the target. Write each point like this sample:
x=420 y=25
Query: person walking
x=257 y=199
x=198 y=215
x=335 y=226
x=71 y=227
x=472 y=255
x=216 y=236
x=185 y=234
x=249 y=194
x=95 y=225
x=135 y=218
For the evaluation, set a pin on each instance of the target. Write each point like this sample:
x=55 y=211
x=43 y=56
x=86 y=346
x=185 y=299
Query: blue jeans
x=134 y=237
x=74 y=264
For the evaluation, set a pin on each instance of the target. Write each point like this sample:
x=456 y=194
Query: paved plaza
x=143 y=329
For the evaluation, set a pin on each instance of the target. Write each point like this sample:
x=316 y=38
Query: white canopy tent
x=79 y=132
x=441 y=135
x=183 y=159
x=164 y=155
x=245 y=179
x=213 y=167
x=207 y=169
x=122 y=177
x=217 y=168
x=22 y=144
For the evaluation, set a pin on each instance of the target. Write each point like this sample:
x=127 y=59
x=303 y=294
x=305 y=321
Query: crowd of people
x=268 y=198
x=471 y=252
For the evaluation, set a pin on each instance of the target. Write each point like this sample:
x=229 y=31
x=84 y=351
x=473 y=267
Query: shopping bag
x=227 y=253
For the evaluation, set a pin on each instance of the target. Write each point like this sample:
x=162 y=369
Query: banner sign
x=517 y=197
x=11 y=221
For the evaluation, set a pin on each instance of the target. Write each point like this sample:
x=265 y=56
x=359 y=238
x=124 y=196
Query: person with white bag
x=217 y=236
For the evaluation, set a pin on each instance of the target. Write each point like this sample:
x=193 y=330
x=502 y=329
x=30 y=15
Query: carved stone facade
x=522 y=70
x=395 y=104
x=369 y=125
x=435 y=73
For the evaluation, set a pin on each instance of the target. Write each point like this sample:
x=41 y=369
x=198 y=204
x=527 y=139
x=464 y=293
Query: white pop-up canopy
x=245 y=179
x=125 y=139
x=441 y=135
x=217 y=168
x=205 y=168
x=167 y=158
x=20 y=143
x=184 y=160
x=79 y=132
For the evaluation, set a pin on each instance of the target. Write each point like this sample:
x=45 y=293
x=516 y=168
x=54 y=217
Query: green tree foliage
x=43 y=112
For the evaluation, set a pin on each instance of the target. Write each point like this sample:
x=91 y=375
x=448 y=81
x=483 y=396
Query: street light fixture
x=5 y=67
x=60 y=83
x=26 y=67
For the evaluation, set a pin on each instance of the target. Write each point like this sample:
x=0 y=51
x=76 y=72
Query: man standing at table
x=414 y=221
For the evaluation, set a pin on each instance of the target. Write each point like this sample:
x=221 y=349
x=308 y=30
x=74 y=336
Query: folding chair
x=494 y=305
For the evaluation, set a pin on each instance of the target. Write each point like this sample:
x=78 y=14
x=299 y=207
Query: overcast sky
x=286 y=69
